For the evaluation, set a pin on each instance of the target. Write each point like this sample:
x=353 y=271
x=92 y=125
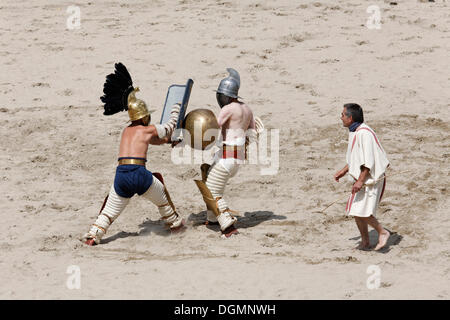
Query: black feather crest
x=116 y=89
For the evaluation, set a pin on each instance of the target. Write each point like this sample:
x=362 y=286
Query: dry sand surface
x=299 y=61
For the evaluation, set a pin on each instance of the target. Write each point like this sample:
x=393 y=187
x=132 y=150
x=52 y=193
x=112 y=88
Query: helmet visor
x=222 y=99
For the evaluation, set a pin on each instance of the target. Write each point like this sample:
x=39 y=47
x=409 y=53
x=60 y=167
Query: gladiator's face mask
x=222 y=99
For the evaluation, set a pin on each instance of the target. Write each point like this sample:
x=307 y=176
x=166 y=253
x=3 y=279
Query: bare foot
x=382 y=239
x=90 y=242
x=180 y=229
x=363 y=246
x=228 y=232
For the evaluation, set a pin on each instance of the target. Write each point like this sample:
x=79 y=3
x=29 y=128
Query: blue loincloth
x=131 y=179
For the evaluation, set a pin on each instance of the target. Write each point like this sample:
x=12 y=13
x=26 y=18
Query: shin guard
x=111 y=209
x=212 y=191
x=158 y=194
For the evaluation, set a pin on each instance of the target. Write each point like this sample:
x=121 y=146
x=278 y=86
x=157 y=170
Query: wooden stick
x=333 y=203
x=364 y=185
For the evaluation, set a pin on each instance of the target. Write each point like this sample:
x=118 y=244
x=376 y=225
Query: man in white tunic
x=366 y=166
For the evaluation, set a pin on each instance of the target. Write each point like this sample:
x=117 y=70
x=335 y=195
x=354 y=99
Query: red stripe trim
x=353 y=144
x=384 y=186
x=373 y=133
x=351 y=202
x=230 y=154
x=233 y=152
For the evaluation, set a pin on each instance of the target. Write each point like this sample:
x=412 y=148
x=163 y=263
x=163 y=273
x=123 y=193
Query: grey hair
x=354 y=110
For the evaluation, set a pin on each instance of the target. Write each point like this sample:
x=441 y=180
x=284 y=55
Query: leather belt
x=140 y=162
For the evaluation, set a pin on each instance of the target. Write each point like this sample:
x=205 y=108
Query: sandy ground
x=299 y=61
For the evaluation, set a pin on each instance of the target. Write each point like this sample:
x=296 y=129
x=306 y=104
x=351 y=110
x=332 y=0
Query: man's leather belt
x=140 y=162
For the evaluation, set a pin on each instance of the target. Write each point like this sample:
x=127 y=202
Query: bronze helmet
x=119 y=95
x=137 y=109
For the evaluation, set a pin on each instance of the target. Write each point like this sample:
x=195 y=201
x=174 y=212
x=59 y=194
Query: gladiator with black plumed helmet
x=132 y=177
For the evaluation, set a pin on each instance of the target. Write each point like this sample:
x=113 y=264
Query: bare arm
x=224 y=116
x=251 y=132
x=252 y=124
x=341 y=173
x=362 y=178
x=151 y=136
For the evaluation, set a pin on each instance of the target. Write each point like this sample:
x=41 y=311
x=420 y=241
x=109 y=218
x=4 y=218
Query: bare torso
x=135 y=140
x=235 y=119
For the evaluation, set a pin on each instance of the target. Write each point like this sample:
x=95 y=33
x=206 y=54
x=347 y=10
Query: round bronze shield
x=202 y=126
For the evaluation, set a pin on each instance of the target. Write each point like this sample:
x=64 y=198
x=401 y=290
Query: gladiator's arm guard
x=166 y=129
x=253 y=134
x=259 y=126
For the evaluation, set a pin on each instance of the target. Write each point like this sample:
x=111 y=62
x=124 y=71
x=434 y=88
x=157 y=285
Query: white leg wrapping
x=157 y=195
x=226 y=220
x=216 y=181
x=113 y=208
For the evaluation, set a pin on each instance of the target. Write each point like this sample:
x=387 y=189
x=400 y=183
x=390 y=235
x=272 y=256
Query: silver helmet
x=230 y=85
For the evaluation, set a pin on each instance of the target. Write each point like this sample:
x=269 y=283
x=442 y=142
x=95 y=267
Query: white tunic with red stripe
x=364 y=149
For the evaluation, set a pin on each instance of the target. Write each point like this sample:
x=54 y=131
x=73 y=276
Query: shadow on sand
x=394 y=239
x=157 y=227
x=248 y=220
